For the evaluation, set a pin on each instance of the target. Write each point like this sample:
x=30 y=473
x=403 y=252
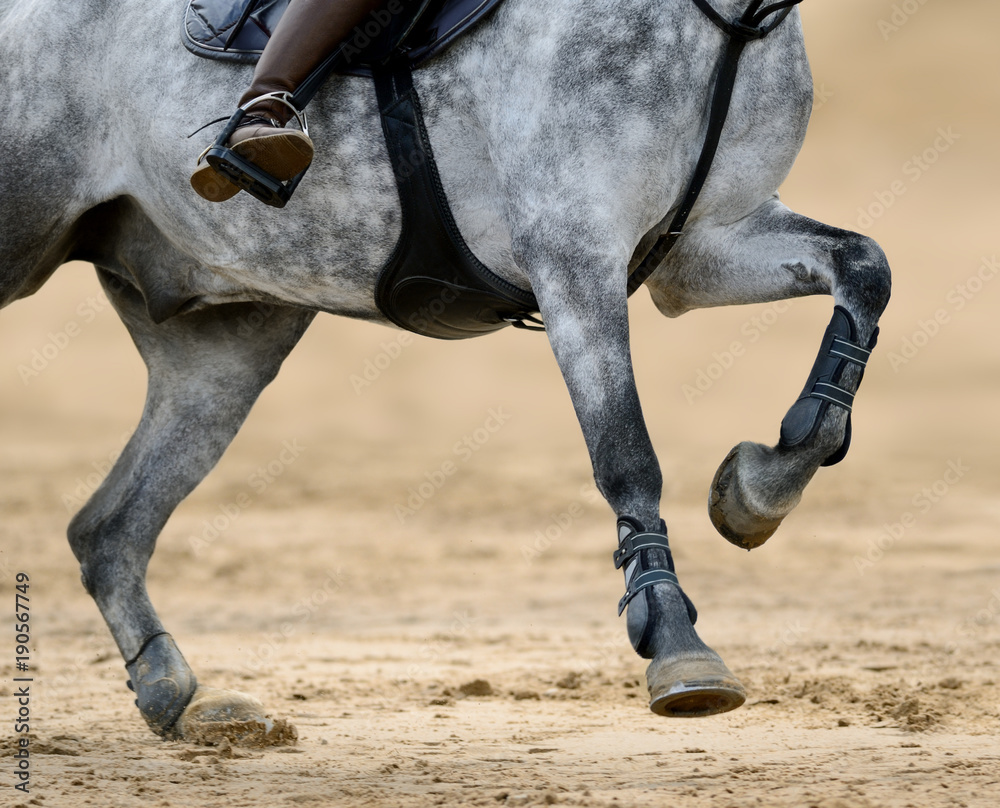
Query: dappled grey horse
x=566 y=132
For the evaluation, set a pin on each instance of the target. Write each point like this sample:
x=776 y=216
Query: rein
x=748 y=28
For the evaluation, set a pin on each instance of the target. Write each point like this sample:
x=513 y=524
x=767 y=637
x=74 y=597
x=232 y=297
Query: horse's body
x=565 y=133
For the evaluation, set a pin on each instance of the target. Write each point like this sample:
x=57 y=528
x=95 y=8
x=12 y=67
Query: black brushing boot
x=685 y=678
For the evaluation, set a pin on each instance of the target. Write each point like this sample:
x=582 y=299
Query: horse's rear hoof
x=163 y=683
x=215 y=715
x=731 y=514
x=691 y=688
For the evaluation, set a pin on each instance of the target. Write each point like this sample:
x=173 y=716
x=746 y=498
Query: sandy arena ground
x=454 y=655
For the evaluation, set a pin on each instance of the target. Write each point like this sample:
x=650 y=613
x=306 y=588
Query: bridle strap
x=749 y=26
x=746 y=29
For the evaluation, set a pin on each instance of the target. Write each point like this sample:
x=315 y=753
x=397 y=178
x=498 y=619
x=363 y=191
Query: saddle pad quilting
x=209 y=23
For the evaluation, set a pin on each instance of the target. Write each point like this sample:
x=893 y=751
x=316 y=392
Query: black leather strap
x=251 y=7
x=749 y=26
x=823 y=389
x=849 y=351
x=433 y=284
x=643 y=581
x=740 y=32
x=636 y=542
x=834 y=394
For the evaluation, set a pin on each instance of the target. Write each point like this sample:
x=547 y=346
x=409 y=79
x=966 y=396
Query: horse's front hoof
x=738 y=523
x=693 y=687
x=214 y=715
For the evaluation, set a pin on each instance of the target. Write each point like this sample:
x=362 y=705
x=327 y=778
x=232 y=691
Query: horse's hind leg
x=205 y=372
x=771 y=255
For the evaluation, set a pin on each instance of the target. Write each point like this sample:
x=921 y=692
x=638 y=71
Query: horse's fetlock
x=653 y=595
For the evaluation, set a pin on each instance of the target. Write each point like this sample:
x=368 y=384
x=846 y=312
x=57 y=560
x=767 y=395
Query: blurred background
x=902 y=146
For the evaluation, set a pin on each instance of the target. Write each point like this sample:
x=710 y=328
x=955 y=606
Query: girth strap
x=740 y=32
x=433 y=284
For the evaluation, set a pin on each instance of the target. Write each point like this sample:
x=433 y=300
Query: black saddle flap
x=418 y=30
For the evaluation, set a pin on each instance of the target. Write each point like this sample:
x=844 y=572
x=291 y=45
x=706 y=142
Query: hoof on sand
x=690 y=688
x=730 y=513
x=215 y=715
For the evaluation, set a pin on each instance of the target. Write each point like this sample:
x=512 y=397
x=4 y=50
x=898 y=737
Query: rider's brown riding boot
x=307 y=33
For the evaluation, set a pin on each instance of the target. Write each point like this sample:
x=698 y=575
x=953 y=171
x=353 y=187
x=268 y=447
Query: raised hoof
x=163 y=683
x=731 y=514
x=692 y=688
x=215 y=715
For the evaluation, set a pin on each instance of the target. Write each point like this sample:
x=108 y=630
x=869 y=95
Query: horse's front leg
x=586 y=317
x=771 y=255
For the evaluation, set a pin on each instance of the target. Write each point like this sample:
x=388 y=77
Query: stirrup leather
x=286 y=99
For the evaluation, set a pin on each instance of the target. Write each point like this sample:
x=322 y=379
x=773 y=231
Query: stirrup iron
x=241 y=172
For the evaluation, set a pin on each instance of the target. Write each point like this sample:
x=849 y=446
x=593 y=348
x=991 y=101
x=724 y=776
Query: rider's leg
x=307 y=33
